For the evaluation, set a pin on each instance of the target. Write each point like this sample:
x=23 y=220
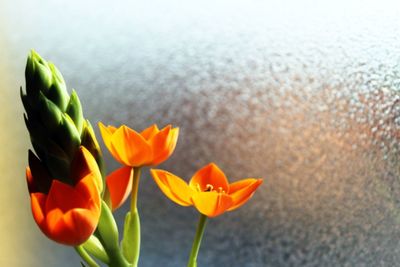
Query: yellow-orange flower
x=67 y=213
x=208 y=190
x=148 y=148
x=132 y=149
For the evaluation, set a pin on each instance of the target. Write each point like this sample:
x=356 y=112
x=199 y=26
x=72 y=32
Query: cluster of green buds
x=55 y=119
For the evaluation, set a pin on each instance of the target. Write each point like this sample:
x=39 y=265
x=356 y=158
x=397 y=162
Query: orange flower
x=208 y=190
x=132 y=149
x=66 y=212
x=148 y=148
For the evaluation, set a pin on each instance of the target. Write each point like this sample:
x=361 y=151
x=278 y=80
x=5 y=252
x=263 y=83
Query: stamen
x=209 y=188
x=221 y=190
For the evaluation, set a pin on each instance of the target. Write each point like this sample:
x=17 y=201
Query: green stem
x=135 y=188
x=197 y=241
x=115 y=256
x=131 y=239
x=107 y=233
x=85 y=256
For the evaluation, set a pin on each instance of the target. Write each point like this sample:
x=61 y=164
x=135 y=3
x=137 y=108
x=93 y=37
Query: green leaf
x=131 y=239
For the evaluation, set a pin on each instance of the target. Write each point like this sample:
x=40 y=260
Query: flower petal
x=241 y=191
x=209 y=175
x=211 y=204
x=163 y=144
x=132 y=148
x=107 y=133
x=119 y=184
x=84 y=164
x=64 y=197
x=150 y=132
x=71 y=228
x=38 y=206
x=173 y=187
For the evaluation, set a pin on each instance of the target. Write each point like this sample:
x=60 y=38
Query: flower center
x=210 y=188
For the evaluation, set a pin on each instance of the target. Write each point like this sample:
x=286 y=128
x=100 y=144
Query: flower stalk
x=107 y=233
x=197 y=241
x=131 y=240
x=85 y=256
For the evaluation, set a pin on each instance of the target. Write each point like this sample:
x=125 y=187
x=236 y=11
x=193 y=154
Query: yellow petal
x=132 y=148
x=211 y=204
x=107 y=133
x=241 y=191
x=173 y=187
x=209 y=175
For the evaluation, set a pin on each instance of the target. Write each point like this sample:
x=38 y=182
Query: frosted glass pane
x=304 y=95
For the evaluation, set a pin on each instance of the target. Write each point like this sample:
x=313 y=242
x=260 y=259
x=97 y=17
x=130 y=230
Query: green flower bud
x=50 y=114
x=74 y=110
x=68 y=136
x=54 y=118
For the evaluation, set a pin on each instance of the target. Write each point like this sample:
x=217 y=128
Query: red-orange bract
x=208 y=190
x=66 y=213
x=132 y=149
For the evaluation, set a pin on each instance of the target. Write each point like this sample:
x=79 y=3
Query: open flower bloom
x=66 y=212
x=148 y=148
x=132 y=149
x=208 y=190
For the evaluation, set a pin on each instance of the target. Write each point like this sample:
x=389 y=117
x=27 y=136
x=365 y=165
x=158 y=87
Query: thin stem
x=197 y=241
x=135 y=188
x=85 y=256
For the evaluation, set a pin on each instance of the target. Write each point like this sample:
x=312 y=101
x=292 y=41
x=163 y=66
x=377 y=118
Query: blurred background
x=303 y=94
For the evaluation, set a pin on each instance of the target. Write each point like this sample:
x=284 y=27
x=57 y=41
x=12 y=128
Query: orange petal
x=211 y=204
x=150 y=132
x=72 y=228
x=132 y=148
x=209 y=175
x=29 y=179
x=107 y=133
x=163 y=144
x=119 y=184
x=84 y=164
x=89 y=190
x=241 y=191
x=38 y=204
x=64 y=197
x=173 y=187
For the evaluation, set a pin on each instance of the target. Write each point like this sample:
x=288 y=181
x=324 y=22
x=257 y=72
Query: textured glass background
x=305 y=95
